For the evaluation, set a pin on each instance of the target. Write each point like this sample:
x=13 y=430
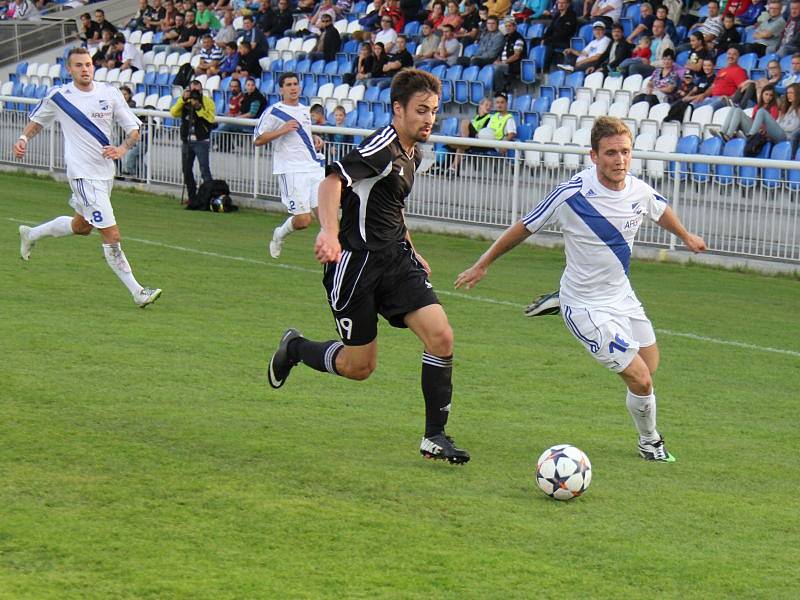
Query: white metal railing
x=741 y=206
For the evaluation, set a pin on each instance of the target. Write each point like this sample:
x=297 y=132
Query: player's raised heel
x=442 y=447
x=147 y=296
x=655 y=451
x=546 y=304
x=280 y=365
x=25 y=242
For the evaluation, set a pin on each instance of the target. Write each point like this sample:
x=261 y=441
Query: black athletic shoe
x=280 y=365
x=546 y=304
x=441 y=447
x=655 y=451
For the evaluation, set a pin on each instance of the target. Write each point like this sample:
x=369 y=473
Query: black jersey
x=378 y=176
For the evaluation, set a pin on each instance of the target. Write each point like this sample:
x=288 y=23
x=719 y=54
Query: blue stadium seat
x=359 y=7
x=289 y=65
x=371 y=97
x=439 y=71
x=41 y=91
x=29 y=90
x=351 y=47
x=709 y=147
x=531 y=119
x=449 y=126
x=219 y=105
x=309 y=87
x=786 y=64
x=686 y=145
x=681 y=33
x=765 y=60
x=483 y=86
x=382 y=119
x=556 y=78
x=627 y=26
x=522 y=29
x=412 y=28
x=461 y=88
x=447 y=94
x=542 y=103
x=350 y=119
x=535 y=30
x=577 y=44
x=524 y=132
x=528 y=72
x=585 y=33
x=521 y=104
x=276 y=65
x=682 y=57
x=385 y=98
x=537 y=55
x=733 y=148
x=574 y=80
x=631 y=11
x=365 y=120
x=748 y=61
x=748 y=176
x=771 y=176
x=454 y=73
x=794 y=174
x=303 y=66
x=470 y=50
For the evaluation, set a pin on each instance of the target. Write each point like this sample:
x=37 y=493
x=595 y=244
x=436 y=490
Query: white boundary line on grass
x=255 y=261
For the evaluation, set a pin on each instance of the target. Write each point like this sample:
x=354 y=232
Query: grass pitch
x=144 y=456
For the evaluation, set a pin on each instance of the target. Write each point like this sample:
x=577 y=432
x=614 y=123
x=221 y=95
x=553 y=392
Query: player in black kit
x=372 y=268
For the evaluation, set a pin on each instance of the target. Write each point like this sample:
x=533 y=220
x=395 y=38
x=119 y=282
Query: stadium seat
x=644 y=141
x=528 y=72
x=541 y=135
x=633 y=83
x=613 y=83
x=709 y=147
x=365 y=121
x=664 y=143
x=537 y=55
x=639 y=111
x=725 y=173
x=594 y=81
x=482 y=86
x=541 y=105
x=353 y=26
x=770 y=176
x=212 y=83
x=138 y=99
x=702 y=116
x=521 y=104
x=582 y=138
x=598 y=108
x=561 y=136
x=556 y=78
x=100 y=74
x=659 y=112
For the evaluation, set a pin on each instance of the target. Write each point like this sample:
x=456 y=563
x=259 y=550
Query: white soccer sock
x=281 y=232
x=643 y=411
x=115 y=258
x=58 y=227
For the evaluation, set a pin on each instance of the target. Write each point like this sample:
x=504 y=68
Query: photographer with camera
x=196 y=113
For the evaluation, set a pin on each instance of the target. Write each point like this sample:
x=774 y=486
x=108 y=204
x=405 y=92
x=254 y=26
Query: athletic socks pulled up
x=320 y=356
x=116 y=259
x=281 y=232
x=643 y=411
x=437 y=389
x=58 y=227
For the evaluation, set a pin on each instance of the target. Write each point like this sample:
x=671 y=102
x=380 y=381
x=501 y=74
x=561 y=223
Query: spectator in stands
x=328 y=43
x=380 y=59
x=144 y=11
x=591 y=55
x=196 y=113
x=669 y=25
x=205 y=18
x=792 y=77
x=343 y=8
x=694 y=90
x=787 y=125
x=100 y=19
x=507 y=66
x=607 y=11
x=663 y=84
x=428 y=44
x=735 y=7
x=106 y=50
x=398 y=60
x=697 y=53
x=324 y=9
x=152 y=21
x=255 y=37
x=306 y=6
x=660 y=43
x=727 y=81
x=210 y=56
x=317 y=112
x=645 y=26
x=127 y=55
x=90 y=31
x=251 y=104
x=227 y=33
x=558 y=35
x=186 y=34
x=470 y=25
x=524 y=10
x=235 y=96
x=730 y=35
x=448 y=50
x=790 y=39
x=127 y=94
x=750 y=90
x=739 y=119
x=387 y=35
x=436 y=16
x=230 y=60
x=618 y=50
x=371 y=19
x=483 y=16
x=490 y=45
x=501 y=125
x=711 y=26
x=275 y=22
x=412 y=10
x=338 y=144
x=498 y=8
x=167 y=23
x=391 y=8
x=642 y=50
x=768 y=32
x=470 y=129
x=363 y=65
x=452 y=16
x=248 y=62
x=674 y=10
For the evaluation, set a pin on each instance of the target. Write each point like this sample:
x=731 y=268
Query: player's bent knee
x=358 y=372
x=441 y=342
x=301 y=221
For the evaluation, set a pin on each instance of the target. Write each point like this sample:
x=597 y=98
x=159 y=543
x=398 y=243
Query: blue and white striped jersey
x=86 y=120
x=293 y=152
x=599 y=226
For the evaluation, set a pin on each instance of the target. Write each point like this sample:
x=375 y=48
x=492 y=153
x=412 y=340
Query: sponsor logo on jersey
x=103 y=105
x=590 y=193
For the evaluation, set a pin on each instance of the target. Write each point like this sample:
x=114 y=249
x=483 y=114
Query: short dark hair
x=231 y=45
x=501 y=95
x=76 y=50
x=412 y=81
x=101 y=11
x=287 y=75
x=317 y=108
x=668 y=53
x=86 y=16
x=253 y=79
x=247 y=18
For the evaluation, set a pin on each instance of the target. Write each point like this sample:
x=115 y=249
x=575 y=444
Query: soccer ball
x=563 y=472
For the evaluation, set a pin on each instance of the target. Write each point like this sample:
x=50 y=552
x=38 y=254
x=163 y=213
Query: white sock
x=115 y=258
x=281 y=232
x=643 y=411
x=58 y=227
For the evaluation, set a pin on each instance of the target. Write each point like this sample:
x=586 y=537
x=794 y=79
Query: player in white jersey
x=295 y=159
x=600 y=211
x=87 y=111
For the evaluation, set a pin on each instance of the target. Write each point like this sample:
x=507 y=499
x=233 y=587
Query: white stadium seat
x=138 y=99
x=353 y=26
x=561 y=136
x=541 y=135
x=618 y=109
x=633 y=83
x=613 y=83
x=212 y=83
x=147 y=38
x=341 y=26
x=100 y=74
x=644 y=141
x=308 y=45
x=162 y=103
x=639 y=111
x=135 y=37
x=665 y=143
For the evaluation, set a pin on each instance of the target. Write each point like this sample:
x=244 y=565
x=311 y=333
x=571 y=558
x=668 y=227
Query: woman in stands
x=742 y=120
x=787 y=125
x=700 y=89
x=380 y=59
x=698 y=53
x=663 y=84
x=363 y=65
x=436 y=17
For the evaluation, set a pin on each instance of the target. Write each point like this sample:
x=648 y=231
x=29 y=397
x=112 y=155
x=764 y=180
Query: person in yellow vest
x=501 y=125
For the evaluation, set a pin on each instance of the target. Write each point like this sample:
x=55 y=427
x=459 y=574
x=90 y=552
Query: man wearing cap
x=592 y=54
x=506 y=67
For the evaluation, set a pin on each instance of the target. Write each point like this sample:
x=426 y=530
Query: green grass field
x=144 y=456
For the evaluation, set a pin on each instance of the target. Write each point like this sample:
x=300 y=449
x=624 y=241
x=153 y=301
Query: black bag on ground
x=755 y=143
x=214 y=195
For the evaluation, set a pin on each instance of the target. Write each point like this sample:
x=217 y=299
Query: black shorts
x=364 y=284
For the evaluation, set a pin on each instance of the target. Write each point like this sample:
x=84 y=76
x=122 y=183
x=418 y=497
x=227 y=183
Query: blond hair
x=607 y=127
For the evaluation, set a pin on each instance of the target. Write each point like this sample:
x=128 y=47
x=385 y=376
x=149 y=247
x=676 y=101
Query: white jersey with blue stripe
x=599 y=226
x=293 y=152
x=86 y=120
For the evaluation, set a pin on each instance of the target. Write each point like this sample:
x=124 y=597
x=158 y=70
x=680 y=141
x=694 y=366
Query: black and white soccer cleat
x=280 y=365
x=442 y=447
x=546 y=304
x=655 y=451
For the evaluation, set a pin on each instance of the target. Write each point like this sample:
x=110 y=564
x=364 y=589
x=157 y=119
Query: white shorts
x=91 y=198
x=299 y=191
x=612 y=335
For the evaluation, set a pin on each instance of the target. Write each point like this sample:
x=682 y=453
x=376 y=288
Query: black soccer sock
x=317 y=355
x=437 y=388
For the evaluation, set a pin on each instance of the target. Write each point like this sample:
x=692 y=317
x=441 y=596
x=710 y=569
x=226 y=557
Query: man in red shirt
x=727 y=81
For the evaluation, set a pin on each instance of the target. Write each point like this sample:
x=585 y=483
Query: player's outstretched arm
x=327 y=248
x=510 y=238
x=30 y=131
x=670 y=221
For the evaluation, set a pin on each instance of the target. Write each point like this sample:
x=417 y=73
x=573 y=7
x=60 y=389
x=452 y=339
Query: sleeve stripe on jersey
x=343 y=172
x=378 y=143
x=81 y=119
x=376 y=139
x=661 y=198
x=545 y=204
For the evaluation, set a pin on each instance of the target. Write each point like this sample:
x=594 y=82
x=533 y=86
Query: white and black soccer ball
x=563 y=472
